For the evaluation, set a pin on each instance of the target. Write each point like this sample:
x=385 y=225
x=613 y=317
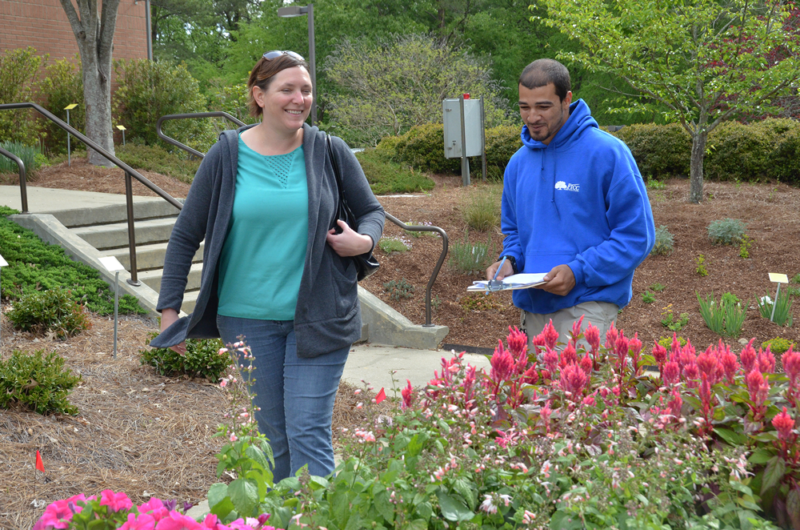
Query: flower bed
x=576 y=438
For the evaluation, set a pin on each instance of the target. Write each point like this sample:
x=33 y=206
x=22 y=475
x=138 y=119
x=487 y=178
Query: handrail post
x=22 y=180
x=133 y=280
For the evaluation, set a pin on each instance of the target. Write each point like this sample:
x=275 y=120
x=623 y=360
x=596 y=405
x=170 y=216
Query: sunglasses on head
x=277 y=53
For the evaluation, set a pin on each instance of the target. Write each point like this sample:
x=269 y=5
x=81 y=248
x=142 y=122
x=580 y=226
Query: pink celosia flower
x=589 y=400
x=748 y=357
x=784 y=424
x=576 y=329
x=635 y=347
x=550 y=335
x=754 y=380
x=538 y=343
x=675 y=404
x=766 y=361
x=586 y=365
x=659 y=354
x=507 y=438
x=611 y=337
x=621 y=347
x=568 y=356
x=730 y=364
x=155 y=508
x=143 y=521
x=531 y=376
x=573 y=380
x=502 y=364
x=545 y=413
x=551 y=359
x=675 y=347
x=115 y=501
x=408 y=395
x=177 y=521
x=672 y=373
x=692 y=374
x=707 y=362
x=517 y=342
x=59 y=514
x=546 y=375
x=791 y=365
x=592 y=336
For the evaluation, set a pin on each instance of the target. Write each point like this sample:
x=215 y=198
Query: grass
x=31 y=156
x=481 y=208
x=158 y=160
x=385 y=176
x=470 y=257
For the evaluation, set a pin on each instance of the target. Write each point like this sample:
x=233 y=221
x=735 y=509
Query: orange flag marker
x=380 y=397
x=39 y=463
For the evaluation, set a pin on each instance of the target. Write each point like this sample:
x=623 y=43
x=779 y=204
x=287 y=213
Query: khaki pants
x=599 y=314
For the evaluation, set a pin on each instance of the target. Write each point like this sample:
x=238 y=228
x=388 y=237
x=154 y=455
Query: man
x=574 y=206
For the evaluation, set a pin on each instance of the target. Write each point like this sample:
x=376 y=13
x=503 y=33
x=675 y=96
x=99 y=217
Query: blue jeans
x=296 y=394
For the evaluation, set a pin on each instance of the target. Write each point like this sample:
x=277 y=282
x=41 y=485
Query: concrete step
x=153 y=277
x=189 y=301
x=143 y=208
x=147 y=256
x=115 y=235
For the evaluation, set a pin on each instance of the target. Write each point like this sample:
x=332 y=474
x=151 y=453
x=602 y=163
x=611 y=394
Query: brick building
x=43 y=24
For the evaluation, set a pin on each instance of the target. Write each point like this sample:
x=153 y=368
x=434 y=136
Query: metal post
x=464 y=160
x=483 y=140
x=312 y=62
x=133 y=280
x=116 y=309
x=148 y=25
x=775 y=302
x=69 y=152
x=123 y=143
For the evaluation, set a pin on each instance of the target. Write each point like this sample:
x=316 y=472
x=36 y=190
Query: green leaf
x=443 y=426
x=425 y=510
x=452 y=509
x=416 y=524
x=257 y=456
x=384 y=507
x=218 y=500
x=354 y=523
x=730 y=436
x=762 y=455
x=773 y=474
x=463 y=489
x=244 y=494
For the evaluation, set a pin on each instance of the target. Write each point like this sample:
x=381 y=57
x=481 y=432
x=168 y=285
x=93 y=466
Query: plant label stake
x=112 y=264
x=69 y=154
x=2 y=264
x=774 y=277
x=122 y=128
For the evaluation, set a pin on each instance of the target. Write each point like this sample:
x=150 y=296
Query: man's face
x=542 y=111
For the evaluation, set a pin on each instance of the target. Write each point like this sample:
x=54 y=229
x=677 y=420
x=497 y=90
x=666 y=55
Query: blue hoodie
x=579 y=201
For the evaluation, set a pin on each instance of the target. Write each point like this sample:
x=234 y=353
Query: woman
x=274 y=269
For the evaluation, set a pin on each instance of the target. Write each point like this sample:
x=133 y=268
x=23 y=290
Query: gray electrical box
x=451 y=111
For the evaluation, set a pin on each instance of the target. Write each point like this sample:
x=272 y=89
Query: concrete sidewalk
x=46 y=200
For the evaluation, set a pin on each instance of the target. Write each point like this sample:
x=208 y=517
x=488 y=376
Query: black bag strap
x=335 y=165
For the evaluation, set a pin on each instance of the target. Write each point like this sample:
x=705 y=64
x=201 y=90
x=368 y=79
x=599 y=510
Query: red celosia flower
x=538 y=343
x=675 y=404
x=692 y=374
x=550 y=335
x=592 y=336
x=611 y=337
x=551 y=359
x=659 y=353
x=672 y=373
x=730 y=364
x=546 y=375
x=517 y=342
x=635 y=348
x=408 y=395
x=676 y=345
x=754 y=380
x=502 y=364
x=784 y=424
x=707 y=362
x=748 y=357
x=576 y=329
x=568 y=356
x=573 y=379
x=545 y=412
x=766 y=361
x=687 y=355
x=531 y=376
x=705 y=395
x=791 y=365
x=586 y=365
x=758 y=386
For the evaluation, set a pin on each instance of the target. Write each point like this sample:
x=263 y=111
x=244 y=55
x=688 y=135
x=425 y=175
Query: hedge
x=764 y=150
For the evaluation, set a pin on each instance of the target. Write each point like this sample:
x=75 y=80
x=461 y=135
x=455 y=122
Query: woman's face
x=287 y=100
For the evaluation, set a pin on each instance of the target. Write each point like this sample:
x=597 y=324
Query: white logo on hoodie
x=561 y=185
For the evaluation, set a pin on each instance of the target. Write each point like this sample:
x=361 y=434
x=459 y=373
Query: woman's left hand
x=348 y=242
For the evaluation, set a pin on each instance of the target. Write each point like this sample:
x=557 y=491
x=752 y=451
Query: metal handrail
x=23 y=189
x=129 y=174
x=395 y=220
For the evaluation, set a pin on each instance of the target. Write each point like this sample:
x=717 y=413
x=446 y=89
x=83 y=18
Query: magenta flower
x=730 y=364
x=576 y=329
x=115 y=501
x=531 y=376
x=791 y=365
x=550 y=335
x=155 y=508
x=586 y=365
x=611 y=337
x=784 y=424
x=143 y=521
x=551 y=359
x=538 y=342
x=635 y=348
x=592 y=336
x=675 y=404
x=177 y=521
x=408 y=395
x=766 y=361
x=748 y=357
x=672 y=373
x=517 y=342
x=676 y=345
x=568 y=356
x=502 y=364
x=59 y=514
x=692 y=374
x=573 y=380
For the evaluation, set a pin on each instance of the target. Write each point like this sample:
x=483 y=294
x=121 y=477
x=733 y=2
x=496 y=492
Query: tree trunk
x=94 y=33
x=699 y=140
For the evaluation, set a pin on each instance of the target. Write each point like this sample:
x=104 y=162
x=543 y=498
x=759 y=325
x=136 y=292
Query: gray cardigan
x=328 y=315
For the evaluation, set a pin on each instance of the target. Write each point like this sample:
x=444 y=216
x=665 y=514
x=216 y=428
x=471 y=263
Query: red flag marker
x=380 y=397
x=39 y=463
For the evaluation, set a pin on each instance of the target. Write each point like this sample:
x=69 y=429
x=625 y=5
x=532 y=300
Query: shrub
x=739 y=151
x=30 y=156
x=231 y=99
x=778 y=345
x=501 y=144
x=398 y=289
x=385 y=176
x=203 y=358
x=726 y=231
x=481 y=208
x=63 y=85
x=423 y=147
x=34 y=265
x=469 y=257
x=660 y=150
x=664 y=241
x=148 y=90
x=666 y=342
x=51 y=310
x=38 y=382
x=784 y=161
x=394 y=244
x=155 y=158
x=18 y=70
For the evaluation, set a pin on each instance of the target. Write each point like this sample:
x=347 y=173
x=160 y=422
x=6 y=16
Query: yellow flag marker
x=121 y=128
x=774 y=277
x=71 y=106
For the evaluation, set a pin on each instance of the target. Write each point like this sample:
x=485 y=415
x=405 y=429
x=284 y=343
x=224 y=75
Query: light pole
x=296 y=11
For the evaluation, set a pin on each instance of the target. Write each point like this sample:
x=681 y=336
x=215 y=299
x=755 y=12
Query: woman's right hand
x=168 y=317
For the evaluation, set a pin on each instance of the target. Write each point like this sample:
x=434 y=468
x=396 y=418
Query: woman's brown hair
x=263 y=73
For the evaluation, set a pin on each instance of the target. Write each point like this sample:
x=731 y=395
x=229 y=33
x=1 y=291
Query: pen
x=497 y=271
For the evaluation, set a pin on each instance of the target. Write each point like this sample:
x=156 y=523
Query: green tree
x=704 y=60
x=63 y=85
x=385 y=89
x=18 y=69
